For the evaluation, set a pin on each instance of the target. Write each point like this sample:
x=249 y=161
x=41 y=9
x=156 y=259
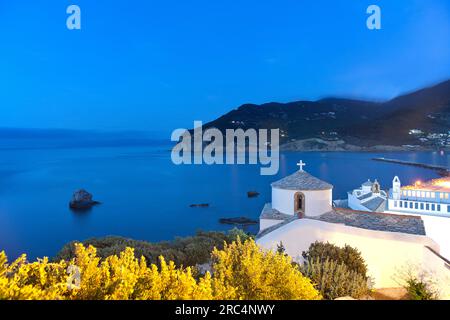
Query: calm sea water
x=144 y=196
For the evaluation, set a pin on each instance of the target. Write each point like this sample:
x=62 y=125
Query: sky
x=160 y=65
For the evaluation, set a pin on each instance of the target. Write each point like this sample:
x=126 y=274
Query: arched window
x=299 y=204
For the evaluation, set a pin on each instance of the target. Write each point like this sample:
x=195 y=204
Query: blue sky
x=160 y=65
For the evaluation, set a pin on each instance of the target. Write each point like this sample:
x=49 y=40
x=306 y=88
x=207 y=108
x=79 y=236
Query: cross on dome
x=301 y=164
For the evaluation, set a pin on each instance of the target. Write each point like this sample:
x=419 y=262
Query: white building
x=301 y=213
x=430 y=201
x=297 y=196
x=368 y=198
x=430 y=198
x=415 y=132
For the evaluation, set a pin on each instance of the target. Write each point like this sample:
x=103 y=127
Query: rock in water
x=200 y=205
x=82 y=200
x=241 y=221
x=252 y=194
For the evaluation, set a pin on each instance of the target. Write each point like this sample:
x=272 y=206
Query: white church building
x=302 y=212
x=429 y=198
x=369 y=197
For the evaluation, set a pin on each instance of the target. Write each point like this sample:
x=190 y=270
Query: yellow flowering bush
x=244 y=271
x=240 y=271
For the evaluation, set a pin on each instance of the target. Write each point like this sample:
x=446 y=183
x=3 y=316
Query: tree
x=245 y=271
x=347 y=255
x=336 y=272
x=334 y=280
x=240 y=271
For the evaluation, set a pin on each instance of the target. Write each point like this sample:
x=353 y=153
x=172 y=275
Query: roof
x=269 y=213
x=301 y=180
x=367 y=184
x=365 y=196
x=375 y=221
x=272 y=214
x=439 y=185
x=377 y=204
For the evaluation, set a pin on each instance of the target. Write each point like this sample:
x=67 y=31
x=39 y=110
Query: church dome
x=301 y=180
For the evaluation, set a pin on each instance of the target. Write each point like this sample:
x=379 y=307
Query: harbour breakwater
x=441 y=170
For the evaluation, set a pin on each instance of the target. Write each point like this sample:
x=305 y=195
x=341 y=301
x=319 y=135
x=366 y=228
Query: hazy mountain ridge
x=29 y=138
x=362 y=123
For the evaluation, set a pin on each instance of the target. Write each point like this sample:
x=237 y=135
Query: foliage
x=347 y=255
x=334 y=279
x=31 y=281
x=419 y=286
x=241 y=271
x=244 y=271
x=116 y=277
x=280 y=248
x=236 y=233
x=336 y=272
x=419 y=290
x=189 y=251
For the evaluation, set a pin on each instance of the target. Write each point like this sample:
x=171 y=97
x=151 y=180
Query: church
x=302 y=212
x=369 y=197
x=299 y=195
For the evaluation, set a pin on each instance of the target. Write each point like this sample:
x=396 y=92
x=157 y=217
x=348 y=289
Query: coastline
x=320 y=145
x=149 y=187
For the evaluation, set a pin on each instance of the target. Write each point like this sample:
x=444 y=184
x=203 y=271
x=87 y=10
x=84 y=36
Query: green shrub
x=334 y=280
x=280 y=248
x=236 y=233
x=347 y=255
x=188 y=251
x=419 y=289
x=336 y=272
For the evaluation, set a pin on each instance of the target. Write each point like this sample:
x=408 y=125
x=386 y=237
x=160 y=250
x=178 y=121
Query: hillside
x=360 y=123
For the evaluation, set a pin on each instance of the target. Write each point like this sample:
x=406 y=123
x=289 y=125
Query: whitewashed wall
x=317 y=202
x=436 y=228
x=386 y=253
x=355 y=204
x=442 y=213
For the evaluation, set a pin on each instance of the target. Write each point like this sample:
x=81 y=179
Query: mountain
x=427 y=110
x=362 y=123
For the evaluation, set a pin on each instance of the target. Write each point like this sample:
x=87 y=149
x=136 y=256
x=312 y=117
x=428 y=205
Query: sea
x=145 y=196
